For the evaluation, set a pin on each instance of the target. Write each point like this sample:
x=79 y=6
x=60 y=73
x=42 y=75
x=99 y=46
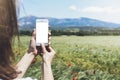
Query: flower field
x=78 y=58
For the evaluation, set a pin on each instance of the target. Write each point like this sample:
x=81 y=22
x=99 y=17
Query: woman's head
x=8 y=29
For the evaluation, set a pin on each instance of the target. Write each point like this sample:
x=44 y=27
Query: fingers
x=32 y=46
x=34 y=33
x=49 y=42
x=43 y=48
x=51 y=50
x=49 y=34
x=49 y=38
x=33 y=43
x=35 y=52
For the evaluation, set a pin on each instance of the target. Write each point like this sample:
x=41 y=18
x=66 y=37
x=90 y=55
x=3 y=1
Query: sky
x=105 y=10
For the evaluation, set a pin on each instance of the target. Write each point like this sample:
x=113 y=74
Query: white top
x=27 y=78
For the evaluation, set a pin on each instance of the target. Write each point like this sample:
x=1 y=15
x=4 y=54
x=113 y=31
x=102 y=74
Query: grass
x=83 y=58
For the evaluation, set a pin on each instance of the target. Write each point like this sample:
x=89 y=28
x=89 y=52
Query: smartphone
x=42 y=31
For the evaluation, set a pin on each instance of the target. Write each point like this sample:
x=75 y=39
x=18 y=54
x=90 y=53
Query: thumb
x=43 y=48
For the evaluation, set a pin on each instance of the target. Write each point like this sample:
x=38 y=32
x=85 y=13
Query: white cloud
x=95 y=9
x=92 y=9
x=101 y=10
x=73 y=7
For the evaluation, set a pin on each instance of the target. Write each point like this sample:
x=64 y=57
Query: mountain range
x=29 y=22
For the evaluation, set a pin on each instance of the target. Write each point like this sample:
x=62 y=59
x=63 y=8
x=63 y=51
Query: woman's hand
x=32 y=45
x=47 y=54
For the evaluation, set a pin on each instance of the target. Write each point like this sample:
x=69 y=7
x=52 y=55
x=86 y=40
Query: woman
x=8 y=30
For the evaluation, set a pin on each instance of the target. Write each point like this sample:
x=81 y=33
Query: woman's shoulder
x=27 y=78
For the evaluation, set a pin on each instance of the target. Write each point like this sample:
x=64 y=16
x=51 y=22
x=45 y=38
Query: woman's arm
x=24 y=63
x=47 y=72
x=47 y=57
x=27 y=59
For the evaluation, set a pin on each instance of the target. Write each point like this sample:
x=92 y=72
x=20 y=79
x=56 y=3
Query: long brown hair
x=8 y=29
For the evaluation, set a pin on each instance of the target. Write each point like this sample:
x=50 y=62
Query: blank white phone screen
x=41 y=31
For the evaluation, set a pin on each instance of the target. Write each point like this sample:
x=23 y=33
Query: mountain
x=29 y=22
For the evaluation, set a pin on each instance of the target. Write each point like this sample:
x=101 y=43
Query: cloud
x=73 y=7
x=95 y=9
x=101 y=10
